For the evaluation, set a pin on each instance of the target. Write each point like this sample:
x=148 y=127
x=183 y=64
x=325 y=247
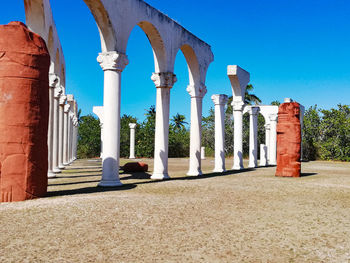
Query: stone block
x=135 y=167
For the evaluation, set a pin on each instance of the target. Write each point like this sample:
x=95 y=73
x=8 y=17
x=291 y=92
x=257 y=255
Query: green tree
x=311 y=133
x=249 y=97
x=275 y=103
x=145 y=135
x=178 y=121
x=89 y=137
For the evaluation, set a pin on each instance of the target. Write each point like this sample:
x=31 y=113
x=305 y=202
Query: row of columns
x=63 y=128
x=113 y=64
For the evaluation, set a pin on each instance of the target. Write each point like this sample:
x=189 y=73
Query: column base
x=252 y=166
x=219 y=170
x=132 y=157
x=237 y=167
x=50 y=174
x=61 y=167
x=56 y=170
x=160 y=176
x=194 y=173
x=110 y=184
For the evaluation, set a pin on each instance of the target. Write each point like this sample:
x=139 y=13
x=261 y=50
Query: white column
x=238 y=135
x=65 y=134
x=219 y=102
x=70 y=137
x=263 y=155
x=63 y=99
x=55 y=143
x=53 y=82
x=203 y=153
x=132 y=140
x=163 y=81
x=267 y=142
x=253 y=136
x=75 y=144
x=112 y=64
x=273 y=139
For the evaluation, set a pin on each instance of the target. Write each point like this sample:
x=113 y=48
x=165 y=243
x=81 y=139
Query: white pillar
x=55 y=143
x=238 y=135
x=197 y=92
x=219 y=102
x=132 y=140
x=267 y=142
x=273 y=139
x=263 y=155
x=63 y=99
x=53 y=82
x=112 y=64
x=65 y=134
x=163 y=81
x=253 y=136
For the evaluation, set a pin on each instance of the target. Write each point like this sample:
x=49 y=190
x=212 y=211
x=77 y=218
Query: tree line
x=326 y=133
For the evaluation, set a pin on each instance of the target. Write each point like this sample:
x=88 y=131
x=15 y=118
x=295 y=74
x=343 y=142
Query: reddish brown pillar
x=24 y=106
x=288 y=140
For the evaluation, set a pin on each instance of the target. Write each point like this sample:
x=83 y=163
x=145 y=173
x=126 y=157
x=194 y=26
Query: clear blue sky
x=298 y=49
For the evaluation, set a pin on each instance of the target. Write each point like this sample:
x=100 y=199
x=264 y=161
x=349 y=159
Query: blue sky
x=298 y=49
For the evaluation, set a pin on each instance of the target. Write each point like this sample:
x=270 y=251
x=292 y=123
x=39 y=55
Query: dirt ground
x=247 y=216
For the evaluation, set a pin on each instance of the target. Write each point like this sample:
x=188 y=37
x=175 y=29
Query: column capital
x=197 y=91
x=132 y=125
x=164 y=79
x=57 y=92
x=63 y=99
x=219 y=99
x=66 y=108
x=273 y=117
x=112 y=61
x=253 y=110
x=237 y=105
x=53 y=80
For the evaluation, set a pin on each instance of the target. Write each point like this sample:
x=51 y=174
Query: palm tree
x=151 y=112
x=179 y=121
x=250 y=98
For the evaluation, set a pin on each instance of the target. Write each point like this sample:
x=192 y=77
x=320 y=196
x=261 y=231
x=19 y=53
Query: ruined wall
x=24 y=106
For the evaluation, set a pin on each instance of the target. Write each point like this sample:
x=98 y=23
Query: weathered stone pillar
x=55 y=147
x=267 y=141
x=203 y=153
x=53 y=79
x=65 y=134
x=163 y=81
x=273 y=139
x=219 y=102
x=63 y=100
x=263 y=155
x=98 y=110
x=132 y=140
x=113 y=64
x=238 y=135
x=253 y=136
x=197 y=93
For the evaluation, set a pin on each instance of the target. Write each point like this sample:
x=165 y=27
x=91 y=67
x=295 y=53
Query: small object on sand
x=135 y=167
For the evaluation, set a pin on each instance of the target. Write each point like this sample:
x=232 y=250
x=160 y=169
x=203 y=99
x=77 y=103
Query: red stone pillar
x=24 y=112
x=288 y=140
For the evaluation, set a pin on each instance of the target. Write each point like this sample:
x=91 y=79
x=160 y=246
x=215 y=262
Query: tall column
x=273 y=139
x=219 y=102
x=197 y=92
x=75 y=136
x=113 y=64
x=238 y=135
x=62 y=101
x=253 y=136
x=263 y=155
x=267 y=141
x=132 y=140
x=163 y=81
x=55 y=147
x=70 y=137
x=53 y=82
x=65 y=134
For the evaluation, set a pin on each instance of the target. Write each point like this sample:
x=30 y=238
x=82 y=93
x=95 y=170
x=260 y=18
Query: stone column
x=113 y=64
x=197 y=92
x=75 y=144
x=273 y=139
x=53 y=82
x=267 y=141
x=263 y=155
x=163 y=81
x=253 y=136
x=238 y=135
x=203 y=153
x=65 y=134
x=63 y=100
x=219 y=102
x=55 y=147
x=132 y=140
x=70 y=137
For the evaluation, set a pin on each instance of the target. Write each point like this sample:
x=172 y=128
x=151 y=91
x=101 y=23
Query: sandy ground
x=248 y=216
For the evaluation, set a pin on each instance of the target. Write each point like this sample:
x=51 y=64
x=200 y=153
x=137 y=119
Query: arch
x=50 y=42
x=57 y=62
x=63 y=76
x=157 y=44
x=35 y=16
x=104 y=24
x=192 y=63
